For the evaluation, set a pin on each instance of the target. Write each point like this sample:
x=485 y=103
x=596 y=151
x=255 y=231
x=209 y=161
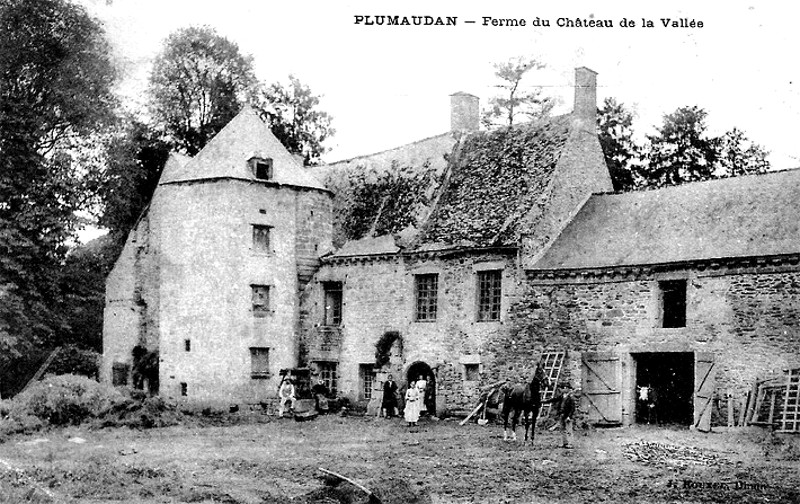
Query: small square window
x=333 y=303
x=472 y=372
x=262 y=168
x=259 y=362
x=427 y=293
x=260 y=300
x=261 y=239
x=119 y=374
x=489 y=295
x=673 y=303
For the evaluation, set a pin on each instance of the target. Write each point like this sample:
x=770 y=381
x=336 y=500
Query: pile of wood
x=658 y=454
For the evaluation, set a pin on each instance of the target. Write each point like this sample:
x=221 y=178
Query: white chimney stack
x=464 y=112
x=585 y=109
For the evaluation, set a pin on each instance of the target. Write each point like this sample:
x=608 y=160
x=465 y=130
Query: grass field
x=266 y=460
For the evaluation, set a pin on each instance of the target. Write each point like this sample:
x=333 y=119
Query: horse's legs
x=514 y=421
x=532 y=416
x=506 y=411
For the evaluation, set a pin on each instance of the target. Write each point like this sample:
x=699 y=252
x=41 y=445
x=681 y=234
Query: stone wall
x=746 y=317
x=190 y=273
x=378 y=295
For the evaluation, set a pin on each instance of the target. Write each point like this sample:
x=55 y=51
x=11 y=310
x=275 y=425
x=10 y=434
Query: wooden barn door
x=704 y=385
x=602 y=379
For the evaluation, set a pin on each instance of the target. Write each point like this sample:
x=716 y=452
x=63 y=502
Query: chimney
x=464 y=112
x=585 y=109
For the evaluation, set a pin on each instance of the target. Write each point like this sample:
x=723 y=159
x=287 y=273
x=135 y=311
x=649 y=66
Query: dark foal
x=523 y=399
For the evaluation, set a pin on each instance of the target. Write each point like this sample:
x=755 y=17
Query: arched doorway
x=414 y=372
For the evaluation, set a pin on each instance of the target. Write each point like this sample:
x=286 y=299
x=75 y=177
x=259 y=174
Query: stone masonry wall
x=749 y=320
x=379 y=296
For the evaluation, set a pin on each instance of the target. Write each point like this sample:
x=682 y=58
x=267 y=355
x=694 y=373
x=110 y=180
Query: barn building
x=466 y=257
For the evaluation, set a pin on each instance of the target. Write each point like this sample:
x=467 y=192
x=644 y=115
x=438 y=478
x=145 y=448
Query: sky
x=389 y=85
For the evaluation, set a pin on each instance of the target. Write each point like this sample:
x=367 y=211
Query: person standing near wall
x=389 y=401
x=422 y=388
x=411 y=411
x=564 y=404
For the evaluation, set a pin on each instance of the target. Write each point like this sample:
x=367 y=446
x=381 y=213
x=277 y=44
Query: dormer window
x=261 y=167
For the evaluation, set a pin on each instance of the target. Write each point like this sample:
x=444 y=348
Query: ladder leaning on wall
x=790 y=419
x=551 y=365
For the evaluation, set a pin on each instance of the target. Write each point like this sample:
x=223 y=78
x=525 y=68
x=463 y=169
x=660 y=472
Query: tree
x=615 y=132
x=682 y=151
x=292 y=115
x=199 y=82
x=134 y=160
x=739 y=156
x=517 y=100
x=55 y=87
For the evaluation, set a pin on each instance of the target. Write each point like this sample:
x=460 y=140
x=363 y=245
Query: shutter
x=601 y=396
x=704 y=385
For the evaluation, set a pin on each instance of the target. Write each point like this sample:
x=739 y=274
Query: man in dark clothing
x=389 y=402
x=564 y=405
x=321 y=392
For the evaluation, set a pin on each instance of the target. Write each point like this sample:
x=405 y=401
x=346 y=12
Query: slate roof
x=368 y=246
x=226 y=155
x=750 y=216
x=495 y=179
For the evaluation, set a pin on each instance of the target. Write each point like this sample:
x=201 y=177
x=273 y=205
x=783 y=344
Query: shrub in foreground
x=64 y=400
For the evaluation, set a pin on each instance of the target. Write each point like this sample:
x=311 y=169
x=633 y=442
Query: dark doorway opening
x=664 y=387
x=420 y=369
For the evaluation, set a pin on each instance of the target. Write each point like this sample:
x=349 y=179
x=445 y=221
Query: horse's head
x=540 y=377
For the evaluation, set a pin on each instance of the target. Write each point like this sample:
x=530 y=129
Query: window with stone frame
x=261 y=168
x=332 y=315
x=328 y=375
x=472 y=372
x=120 y=373
x=260 y=300
x=259 y=362
x=261 y=242
x=672 y=295
x=489 y=295
x=426 y=288
x=367 y=378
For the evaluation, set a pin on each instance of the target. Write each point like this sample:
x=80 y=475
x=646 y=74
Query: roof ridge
x=361 y=156
x=703 y=182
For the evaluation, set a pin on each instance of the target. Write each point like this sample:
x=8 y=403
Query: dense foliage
x=372 y=202
x=292 y=114
x=681 y=151
x=615 y=132
x=65 y=400
x=199 y=82
x=383 y=347
x=55 y=89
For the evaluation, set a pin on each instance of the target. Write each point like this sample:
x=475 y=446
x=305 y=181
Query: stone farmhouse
x=466 y=257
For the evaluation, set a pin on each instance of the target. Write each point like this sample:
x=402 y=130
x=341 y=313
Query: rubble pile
x=659 y=454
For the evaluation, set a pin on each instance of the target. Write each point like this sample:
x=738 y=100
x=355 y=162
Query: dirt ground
x=278 y=460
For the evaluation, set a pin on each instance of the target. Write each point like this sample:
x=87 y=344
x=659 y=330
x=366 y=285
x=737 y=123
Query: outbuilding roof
x=749 y=216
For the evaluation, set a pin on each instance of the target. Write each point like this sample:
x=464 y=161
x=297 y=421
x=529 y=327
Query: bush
x=140 y=411
x=64 y=400
x=73 y=360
